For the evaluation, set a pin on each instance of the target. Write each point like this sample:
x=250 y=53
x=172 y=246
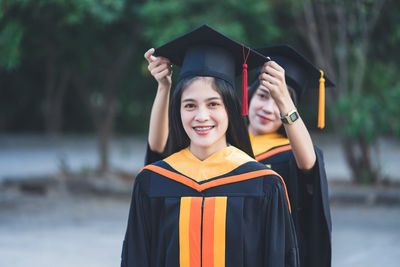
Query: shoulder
x=151 y=175
x=151 y=170
x=272 y=182
x=260 y=170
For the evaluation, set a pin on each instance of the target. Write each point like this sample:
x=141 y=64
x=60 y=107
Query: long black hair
x=253 y=88
x=236 y=134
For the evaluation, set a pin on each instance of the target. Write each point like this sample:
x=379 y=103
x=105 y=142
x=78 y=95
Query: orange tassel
x=244 y=90
x=321 y=105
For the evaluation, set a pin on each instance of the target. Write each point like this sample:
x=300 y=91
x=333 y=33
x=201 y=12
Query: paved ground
x=65 y=231
x=62 y=232
x=365 y=236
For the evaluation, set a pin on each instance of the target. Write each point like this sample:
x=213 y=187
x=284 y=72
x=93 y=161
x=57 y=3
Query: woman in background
x=280 y=140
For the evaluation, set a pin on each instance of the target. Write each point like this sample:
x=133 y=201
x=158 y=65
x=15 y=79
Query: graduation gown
x=227 y=210
x=308 y=196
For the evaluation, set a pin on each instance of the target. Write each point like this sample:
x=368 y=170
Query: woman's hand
x=272 y=77
x=160 y=68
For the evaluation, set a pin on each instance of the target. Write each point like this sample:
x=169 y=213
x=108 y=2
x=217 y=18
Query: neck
x=204 y=152
x=253 y=132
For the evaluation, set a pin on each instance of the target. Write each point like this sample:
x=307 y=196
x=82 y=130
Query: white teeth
x=203 y=128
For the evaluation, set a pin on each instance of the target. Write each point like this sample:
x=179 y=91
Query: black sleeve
x=152 y=156
x=314 y=219
x=281 y=247
x=136 y=246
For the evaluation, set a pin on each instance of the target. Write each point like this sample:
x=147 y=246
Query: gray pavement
x=64 y=231
x=366 y=236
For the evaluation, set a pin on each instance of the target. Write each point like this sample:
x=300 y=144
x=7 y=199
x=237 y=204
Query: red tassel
x=244 y=83
x=244 y=90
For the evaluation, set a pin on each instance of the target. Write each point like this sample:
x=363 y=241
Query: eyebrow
x=263 y=89
x=193 y=100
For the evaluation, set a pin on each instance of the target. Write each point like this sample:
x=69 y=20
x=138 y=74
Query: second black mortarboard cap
x=300 y=74
x=207 y=52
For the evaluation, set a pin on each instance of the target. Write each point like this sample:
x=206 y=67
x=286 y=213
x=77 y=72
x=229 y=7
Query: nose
x=268 y=107
x=202 y=114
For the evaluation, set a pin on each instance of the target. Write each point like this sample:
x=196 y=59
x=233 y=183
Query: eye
x=263 y=95
x=189 y=106
x=214 y=104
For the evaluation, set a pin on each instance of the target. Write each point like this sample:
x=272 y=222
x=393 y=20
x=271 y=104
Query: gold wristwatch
x=291 y=117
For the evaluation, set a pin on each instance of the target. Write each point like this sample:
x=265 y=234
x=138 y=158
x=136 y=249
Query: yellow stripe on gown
x=264 y=142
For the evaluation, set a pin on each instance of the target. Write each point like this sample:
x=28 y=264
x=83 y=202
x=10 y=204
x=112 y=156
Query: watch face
x=293 y=116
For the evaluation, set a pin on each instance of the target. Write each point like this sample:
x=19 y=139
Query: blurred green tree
x=82 y=44
x=341 y=37
x=251 y=22
x=64 y=62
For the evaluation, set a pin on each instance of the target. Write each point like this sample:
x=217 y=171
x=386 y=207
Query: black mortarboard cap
x=206 y=52
x=300 y=73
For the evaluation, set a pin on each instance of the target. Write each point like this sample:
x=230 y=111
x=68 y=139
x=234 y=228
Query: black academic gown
x=308 y=196
x=240 y=218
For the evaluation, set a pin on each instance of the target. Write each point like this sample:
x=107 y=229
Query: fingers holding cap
x=149 y=55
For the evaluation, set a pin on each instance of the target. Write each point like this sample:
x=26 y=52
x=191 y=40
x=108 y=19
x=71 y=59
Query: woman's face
x=263 y=113
x=204 y=116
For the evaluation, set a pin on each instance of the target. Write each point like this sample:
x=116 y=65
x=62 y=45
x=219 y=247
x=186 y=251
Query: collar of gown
x=219 y=163
x=265 y=142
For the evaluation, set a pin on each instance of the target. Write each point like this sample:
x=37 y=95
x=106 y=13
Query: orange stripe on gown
x=220 y=231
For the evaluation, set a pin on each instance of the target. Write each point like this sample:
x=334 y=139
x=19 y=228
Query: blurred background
x=75 y=101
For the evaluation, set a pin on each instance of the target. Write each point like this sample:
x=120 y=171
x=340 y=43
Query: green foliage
x=86 y=35
x=105 y=11
x=376 y=112
x=45 y=17
x=39 y=39
x=10 y=40
x=360 y=115
x=250 y=22
x=71 y=11
x=391 y=99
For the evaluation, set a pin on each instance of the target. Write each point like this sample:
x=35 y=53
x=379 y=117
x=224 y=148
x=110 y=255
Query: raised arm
x=160 y=69
x=273 y=78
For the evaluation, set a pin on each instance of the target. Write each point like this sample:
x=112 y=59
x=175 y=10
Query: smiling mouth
x=264 y=119
x=203 y=129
